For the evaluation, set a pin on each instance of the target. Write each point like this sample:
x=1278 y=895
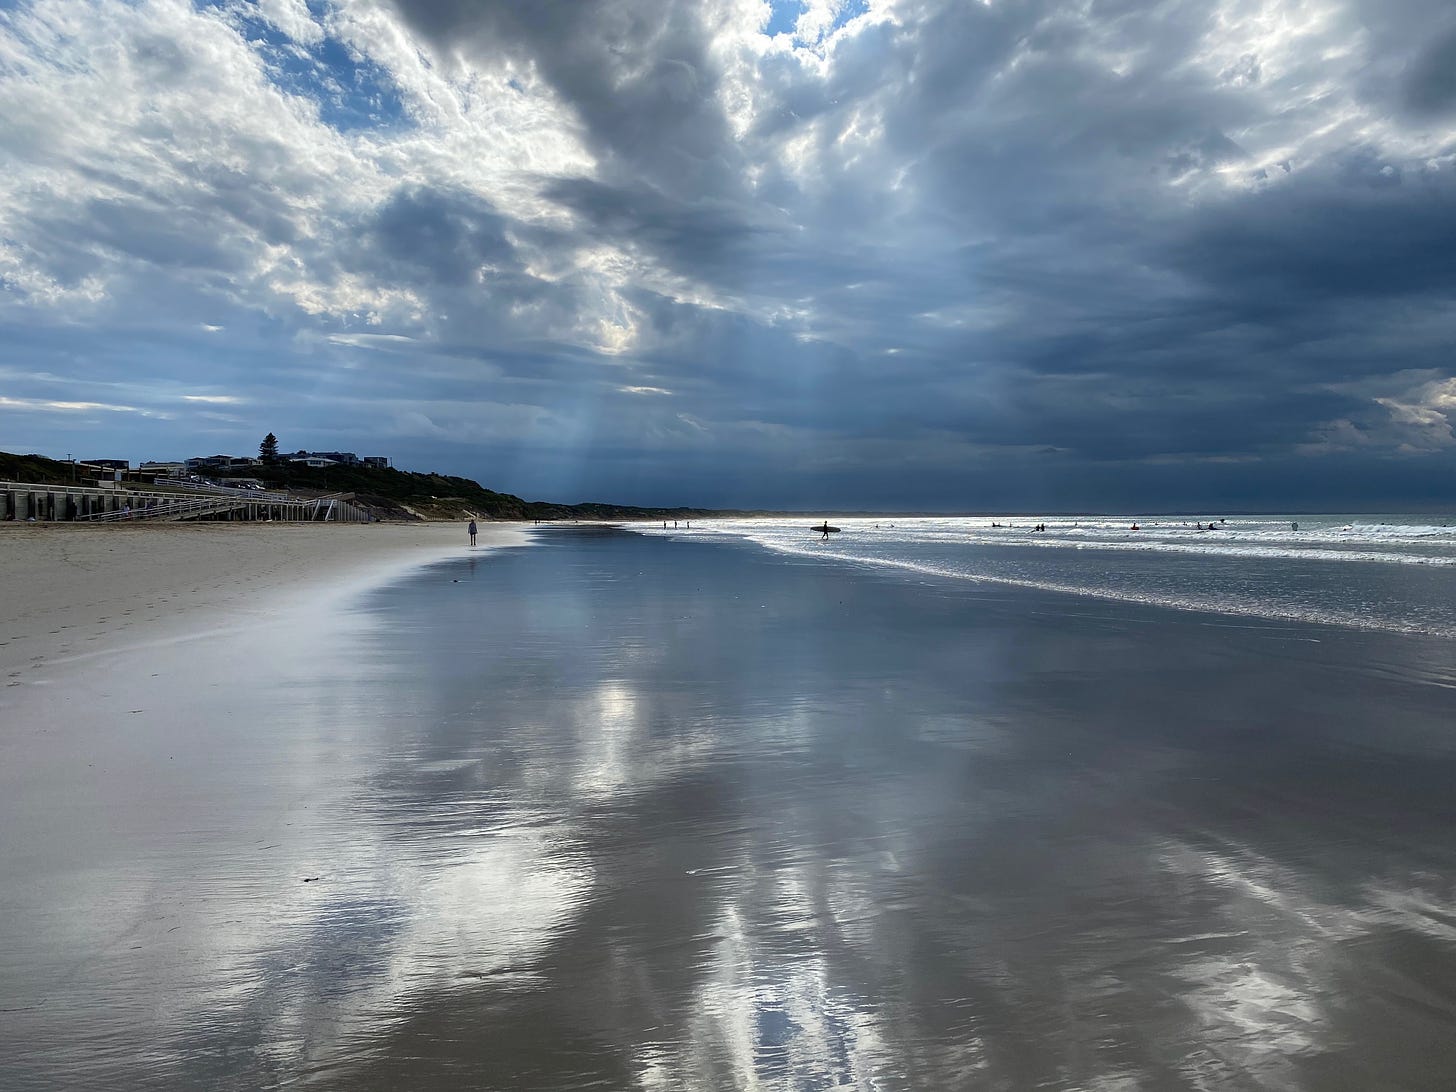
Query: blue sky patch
x=350 y=91
x=786 y=14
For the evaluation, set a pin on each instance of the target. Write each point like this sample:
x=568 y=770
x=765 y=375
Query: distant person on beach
x=473 y=530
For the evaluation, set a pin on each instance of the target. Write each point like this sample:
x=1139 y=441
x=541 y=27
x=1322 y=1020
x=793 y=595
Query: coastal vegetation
x=404 y=494
x=35 y=468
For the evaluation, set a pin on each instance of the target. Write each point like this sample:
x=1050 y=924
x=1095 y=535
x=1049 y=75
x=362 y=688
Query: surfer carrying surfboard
x=825 y=530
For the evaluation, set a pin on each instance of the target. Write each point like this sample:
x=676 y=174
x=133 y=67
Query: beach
x=134 y=659
x=623 y=811
x=74 y=591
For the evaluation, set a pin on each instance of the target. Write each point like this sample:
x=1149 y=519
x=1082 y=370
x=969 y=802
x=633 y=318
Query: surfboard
x=825 y=529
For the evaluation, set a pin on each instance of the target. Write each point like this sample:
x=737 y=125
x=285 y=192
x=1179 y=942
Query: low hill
x=403 y=494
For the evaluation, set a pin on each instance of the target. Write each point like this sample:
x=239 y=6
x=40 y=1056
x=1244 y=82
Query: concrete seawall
x=22 y=502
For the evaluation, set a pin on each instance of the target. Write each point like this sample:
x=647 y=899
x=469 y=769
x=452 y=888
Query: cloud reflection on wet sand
x=632 y=813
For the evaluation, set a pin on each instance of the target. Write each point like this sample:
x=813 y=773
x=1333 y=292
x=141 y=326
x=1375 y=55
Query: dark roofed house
x=220 y=462
x=378 y=461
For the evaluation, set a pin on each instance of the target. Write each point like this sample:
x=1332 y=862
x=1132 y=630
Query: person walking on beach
x=472 y=529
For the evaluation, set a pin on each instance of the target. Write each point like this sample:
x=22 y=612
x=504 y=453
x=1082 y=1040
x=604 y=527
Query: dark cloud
x=970 y=254
x=1430 y=84
x=638 y=74
x=701 y=237
x=450 y=238
x=1369 y=228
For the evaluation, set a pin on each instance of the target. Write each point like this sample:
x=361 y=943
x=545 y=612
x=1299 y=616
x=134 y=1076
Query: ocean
x=1389 y=572
x=926 y=806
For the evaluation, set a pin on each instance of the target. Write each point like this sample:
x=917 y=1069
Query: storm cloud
x=820 y=253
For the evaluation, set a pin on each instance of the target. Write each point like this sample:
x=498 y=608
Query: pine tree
x=268 y=449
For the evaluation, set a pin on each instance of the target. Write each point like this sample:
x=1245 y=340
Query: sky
x=818 y=254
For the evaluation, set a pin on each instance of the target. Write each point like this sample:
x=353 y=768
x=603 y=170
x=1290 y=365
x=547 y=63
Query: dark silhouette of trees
x=268 y=450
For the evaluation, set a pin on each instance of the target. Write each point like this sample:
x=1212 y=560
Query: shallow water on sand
x=626 y=812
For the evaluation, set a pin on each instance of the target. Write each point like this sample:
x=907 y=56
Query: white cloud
x=371 y=341
x=292 y=18
x=39 y=406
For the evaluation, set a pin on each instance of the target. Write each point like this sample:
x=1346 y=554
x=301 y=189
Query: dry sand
x=69 y=593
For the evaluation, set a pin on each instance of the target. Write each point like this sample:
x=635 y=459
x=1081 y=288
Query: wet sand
x=618 y=812
x=137 y=664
